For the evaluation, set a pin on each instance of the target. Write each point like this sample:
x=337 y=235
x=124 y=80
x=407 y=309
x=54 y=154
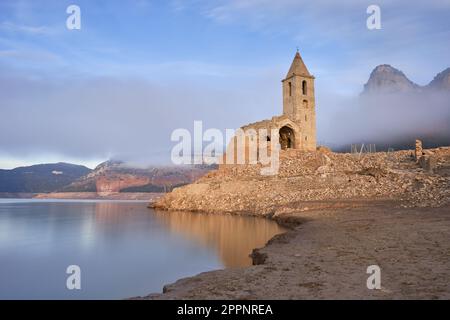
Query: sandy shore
x=327 y=251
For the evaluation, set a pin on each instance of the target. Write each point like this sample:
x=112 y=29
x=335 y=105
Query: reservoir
x=123 y=249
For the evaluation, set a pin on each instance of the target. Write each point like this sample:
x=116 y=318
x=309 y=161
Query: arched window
x=305 y=104
x=304 y=87
x=290 y=89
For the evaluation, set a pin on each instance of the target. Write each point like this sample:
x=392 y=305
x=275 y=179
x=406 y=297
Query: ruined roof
x=274 y=122
x=298 y=67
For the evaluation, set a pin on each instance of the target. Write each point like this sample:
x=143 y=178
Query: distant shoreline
x=147 y=196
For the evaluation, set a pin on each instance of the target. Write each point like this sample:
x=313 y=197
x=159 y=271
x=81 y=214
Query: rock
x=323 y=149
x=258 y=257
x=428 y=163
x=418 y=152
x=377 y=173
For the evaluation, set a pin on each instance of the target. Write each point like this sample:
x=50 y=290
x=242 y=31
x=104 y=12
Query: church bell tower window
x=304 y=88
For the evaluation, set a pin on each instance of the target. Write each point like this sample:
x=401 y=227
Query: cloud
x=32 y=30
x=36 y=56
x=333 y=37
x=394 y=120
x=107 y=92
x=125 y=118
x=337 y=21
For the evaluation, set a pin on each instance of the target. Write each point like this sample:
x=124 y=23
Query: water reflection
x=123 y=248
x=233 y=237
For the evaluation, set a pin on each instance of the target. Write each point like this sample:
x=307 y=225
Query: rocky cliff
x=441 y=81
x=107 y=185
x=387 y=79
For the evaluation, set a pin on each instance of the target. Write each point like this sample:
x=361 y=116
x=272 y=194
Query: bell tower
x=299 y=101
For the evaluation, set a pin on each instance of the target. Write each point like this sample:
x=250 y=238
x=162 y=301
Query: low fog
x=387 y=120
x=132 y=119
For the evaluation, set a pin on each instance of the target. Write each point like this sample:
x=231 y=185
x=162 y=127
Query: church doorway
x=287 y=138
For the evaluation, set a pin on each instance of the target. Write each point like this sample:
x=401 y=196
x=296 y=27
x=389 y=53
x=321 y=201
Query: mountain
x=393 y=111
x=116 y=176
x=441 y=81
x=387 y=79
x=41 y=177
x=107 y=178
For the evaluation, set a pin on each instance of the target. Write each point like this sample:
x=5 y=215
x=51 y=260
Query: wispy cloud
x=37 y=56
x=32 y=30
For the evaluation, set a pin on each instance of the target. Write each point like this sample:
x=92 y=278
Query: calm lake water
x=122 y=248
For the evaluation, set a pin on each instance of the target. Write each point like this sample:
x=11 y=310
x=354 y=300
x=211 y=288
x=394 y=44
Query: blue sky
x=138 y=69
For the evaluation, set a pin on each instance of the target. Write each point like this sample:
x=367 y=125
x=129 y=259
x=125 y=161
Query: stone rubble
x=319 y=176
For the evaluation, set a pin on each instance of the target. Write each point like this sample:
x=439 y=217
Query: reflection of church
x=297 y=124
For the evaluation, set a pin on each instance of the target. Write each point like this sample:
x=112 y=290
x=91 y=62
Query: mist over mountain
x=393 y=111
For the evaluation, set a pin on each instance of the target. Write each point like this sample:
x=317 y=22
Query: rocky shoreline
x=318 y=176
x=326 y=252
x=344 y=213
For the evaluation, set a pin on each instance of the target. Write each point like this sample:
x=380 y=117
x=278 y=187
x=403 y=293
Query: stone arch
x=287 y=137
